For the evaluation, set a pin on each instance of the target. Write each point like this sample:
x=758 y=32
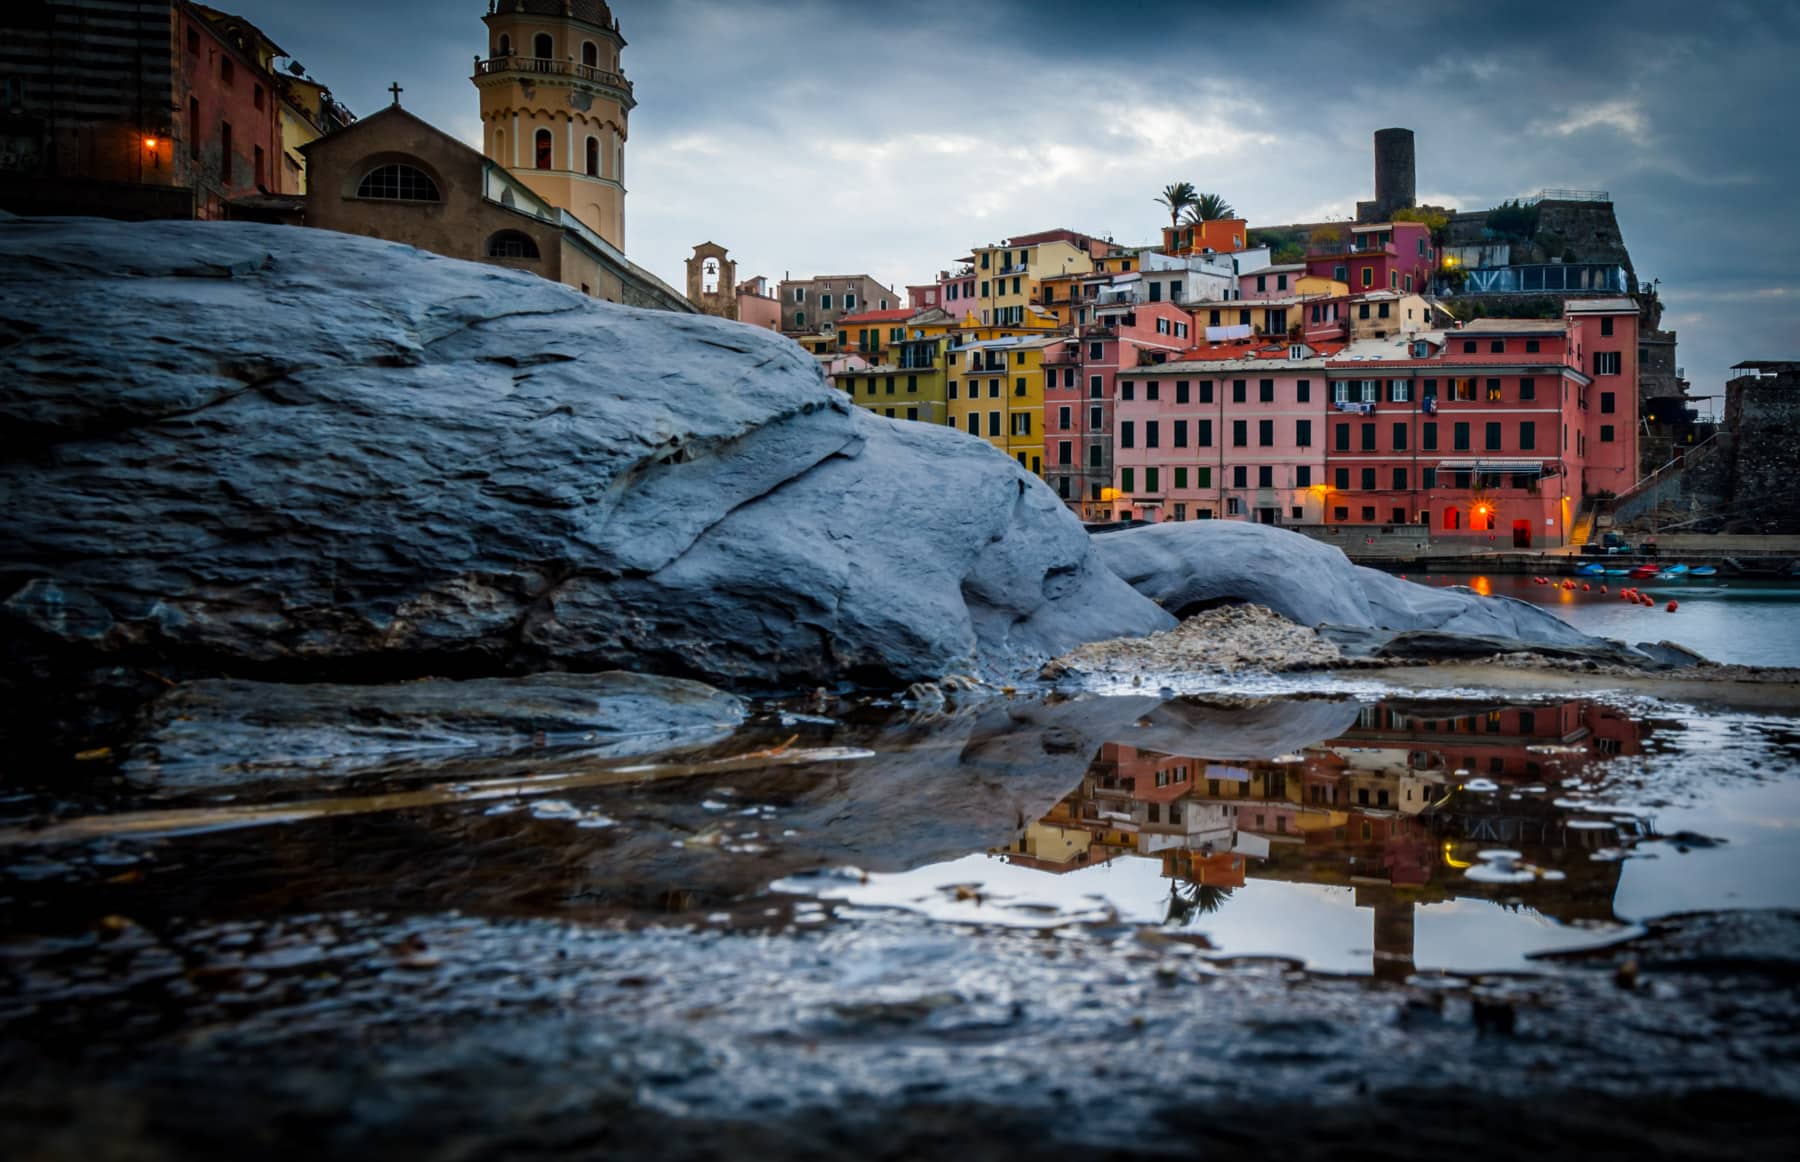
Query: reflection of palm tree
x=1188 y=899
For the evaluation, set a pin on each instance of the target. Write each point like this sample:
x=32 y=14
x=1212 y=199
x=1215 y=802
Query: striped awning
x=1515 y=467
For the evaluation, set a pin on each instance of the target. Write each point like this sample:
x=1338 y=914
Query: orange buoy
x=1672 y=606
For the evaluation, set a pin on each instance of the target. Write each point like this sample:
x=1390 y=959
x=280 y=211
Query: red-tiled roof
x=893 y=316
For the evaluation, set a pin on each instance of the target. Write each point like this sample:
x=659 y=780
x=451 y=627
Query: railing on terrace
x=1333 y=249
x=1568 y=196
x=544 y=65
x=1538 y=279
x=1675 y=464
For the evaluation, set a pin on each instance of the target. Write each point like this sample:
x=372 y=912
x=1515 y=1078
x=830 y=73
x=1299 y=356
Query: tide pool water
x=1741 y=621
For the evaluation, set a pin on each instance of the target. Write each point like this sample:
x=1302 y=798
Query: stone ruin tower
x=1395 y=176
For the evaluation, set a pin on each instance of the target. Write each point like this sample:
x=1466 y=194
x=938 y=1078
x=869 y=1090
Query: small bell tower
x=712 y=281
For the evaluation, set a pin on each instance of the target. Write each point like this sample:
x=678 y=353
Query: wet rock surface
x=528 y=1040
x=216 y=732
x=327 y=457
x=636 y=967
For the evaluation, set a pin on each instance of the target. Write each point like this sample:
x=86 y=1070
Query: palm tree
x=1188 y=899
x=1177 y=198
x=1208 y=208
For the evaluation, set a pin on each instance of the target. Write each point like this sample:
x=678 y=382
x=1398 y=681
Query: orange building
x=1221 y=235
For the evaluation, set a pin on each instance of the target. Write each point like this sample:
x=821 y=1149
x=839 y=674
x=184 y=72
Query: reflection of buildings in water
x=1376 y=809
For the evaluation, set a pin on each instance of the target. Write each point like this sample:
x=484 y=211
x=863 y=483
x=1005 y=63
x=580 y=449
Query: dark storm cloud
x=826 y=135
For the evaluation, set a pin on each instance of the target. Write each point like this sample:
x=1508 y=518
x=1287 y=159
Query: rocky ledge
x=256 y=451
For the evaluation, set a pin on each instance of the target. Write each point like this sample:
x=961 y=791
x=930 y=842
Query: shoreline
x=1731 y=687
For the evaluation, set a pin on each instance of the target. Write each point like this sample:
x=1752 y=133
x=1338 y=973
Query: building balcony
x=1347 y=249
x=544 y=66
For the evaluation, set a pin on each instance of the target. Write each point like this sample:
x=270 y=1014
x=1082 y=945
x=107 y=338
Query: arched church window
x=505 y=46
x=511 y=244
x=590 y=56
x=398 y=182
x=709 y=277
x=542 y=46
x=593 y=157
x=543 y=149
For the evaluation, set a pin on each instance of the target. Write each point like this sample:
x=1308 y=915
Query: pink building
x=1496 y=432
x=1231 y=430
x=757 y=304
x=1271 y=282
x=956 y=292
x=1080 y=377
x=1396 y=256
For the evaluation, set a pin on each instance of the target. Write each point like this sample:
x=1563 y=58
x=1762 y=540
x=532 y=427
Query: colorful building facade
x=1080 y=387
x=1494 y=433
x=1231 y=431
x=1394 y=256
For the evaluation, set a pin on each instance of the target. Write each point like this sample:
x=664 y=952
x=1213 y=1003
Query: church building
x=546 y=193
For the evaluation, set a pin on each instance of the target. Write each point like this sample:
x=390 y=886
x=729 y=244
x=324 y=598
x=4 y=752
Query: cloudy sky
x=833 y=136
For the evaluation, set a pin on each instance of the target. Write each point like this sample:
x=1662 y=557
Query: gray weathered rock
x=1186 y=566
x=1406 y=605
x=221 y=730
x=278 y=452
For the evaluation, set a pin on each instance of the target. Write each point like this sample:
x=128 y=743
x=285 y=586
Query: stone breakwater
x=1228 y=639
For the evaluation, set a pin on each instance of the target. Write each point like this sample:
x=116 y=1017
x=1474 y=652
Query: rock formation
x=267 y=452
x=1193 y=566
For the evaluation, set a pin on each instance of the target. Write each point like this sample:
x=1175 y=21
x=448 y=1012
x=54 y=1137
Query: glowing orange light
x=149 y=143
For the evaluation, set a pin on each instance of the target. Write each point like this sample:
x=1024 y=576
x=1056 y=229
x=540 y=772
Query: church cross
x=396 y=90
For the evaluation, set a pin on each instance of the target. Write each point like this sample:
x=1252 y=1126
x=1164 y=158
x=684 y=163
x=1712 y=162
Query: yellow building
x=1385 y=313
x=899 y=392
x=308 y=113
x=1009 y=276
x=996 y=392
x=873 y=334
x=554 y=106
x=1310 y=286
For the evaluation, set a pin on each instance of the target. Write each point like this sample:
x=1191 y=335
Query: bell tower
x=555 y=105
x=712 y=281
